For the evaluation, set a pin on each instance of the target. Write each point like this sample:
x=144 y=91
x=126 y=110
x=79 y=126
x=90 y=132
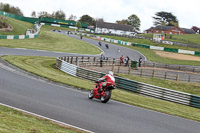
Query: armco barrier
x=130 y=85
x=17 y=36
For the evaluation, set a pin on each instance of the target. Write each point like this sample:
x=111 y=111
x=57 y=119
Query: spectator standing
x=121 y=60
x=140 y=61
x=126 y=61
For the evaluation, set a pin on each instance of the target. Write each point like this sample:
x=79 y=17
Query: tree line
x=10 y=9
x=160 y=18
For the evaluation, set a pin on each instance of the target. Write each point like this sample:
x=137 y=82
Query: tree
x=78 y=24
x=165 y=18
x=58 y=15
x=72 y=17
x=87 y=19
x=16 y=10
x=123 y=21
x=10 y=9
x=33 y=14
x=6 y=8
x=44 y=14
x=134 y=21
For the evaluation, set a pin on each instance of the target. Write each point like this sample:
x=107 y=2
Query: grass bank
x=45 y=67
x=50 y=41
x=12 y=121
x=187 y=38
x=145 y=41
x=19 y=27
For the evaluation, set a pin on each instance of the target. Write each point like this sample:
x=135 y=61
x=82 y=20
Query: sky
x=186 y=11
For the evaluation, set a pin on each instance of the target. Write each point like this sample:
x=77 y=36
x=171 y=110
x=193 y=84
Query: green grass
x=50 y=41
x=145 y=41
x=152 y=56
x=187 y=38
x=19 y=27
x=12 y=121
x=45 y=67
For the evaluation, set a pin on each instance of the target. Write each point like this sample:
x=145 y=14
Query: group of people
x=124 y=60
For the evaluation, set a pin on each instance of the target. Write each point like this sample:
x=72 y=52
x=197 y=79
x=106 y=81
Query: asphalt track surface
x=72 y=106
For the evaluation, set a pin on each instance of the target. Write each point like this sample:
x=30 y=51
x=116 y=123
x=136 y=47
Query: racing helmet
x=110 y=72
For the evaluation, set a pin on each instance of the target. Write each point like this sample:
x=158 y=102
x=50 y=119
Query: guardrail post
x=177 y=77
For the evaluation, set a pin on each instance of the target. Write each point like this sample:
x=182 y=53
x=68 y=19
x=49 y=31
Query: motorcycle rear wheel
x=105 y=97
x=91 y=94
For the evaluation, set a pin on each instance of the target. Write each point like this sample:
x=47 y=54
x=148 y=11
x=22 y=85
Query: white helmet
x=110 y=72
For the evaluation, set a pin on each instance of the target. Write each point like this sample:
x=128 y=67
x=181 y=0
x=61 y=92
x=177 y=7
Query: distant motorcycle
x=107 y=46
x=105 y=95
x=99 y=43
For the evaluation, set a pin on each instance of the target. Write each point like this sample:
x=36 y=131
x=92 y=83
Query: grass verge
x=45 y=67
x=50 y=41
x=12 y=121
x=19 y=27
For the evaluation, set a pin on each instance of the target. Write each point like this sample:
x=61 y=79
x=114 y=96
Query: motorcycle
x=107 y=46
x=99 y=43
x=104 y=95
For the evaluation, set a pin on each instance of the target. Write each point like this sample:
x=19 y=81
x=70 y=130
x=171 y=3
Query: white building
x=113 y=28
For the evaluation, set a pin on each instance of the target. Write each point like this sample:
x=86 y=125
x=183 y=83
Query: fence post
x=77 y=62
x=113 y=67
x=71 y=59
x=153 y=74
x=141 y=72
x=129 y=70
x=177 y=77
x=189 y=78
x=68 y=59
x=165 y=75
x=193 y=69
x=118 y=68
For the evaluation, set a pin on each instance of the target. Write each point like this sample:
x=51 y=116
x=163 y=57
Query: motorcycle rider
x=107 y=80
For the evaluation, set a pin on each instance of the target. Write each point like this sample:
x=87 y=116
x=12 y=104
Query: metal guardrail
x=131 y=85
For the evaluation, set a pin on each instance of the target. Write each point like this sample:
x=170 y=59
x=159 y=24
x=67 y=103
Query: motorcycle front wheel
x=90 y=95
x=106 y=96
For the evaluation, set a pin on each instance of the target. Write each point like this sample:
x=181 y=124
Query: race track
x=72 y=106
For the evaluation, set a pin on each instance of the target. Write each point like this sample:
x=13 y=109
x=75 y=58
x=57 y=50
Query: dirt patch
x=177 y=56
x=4 y=26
